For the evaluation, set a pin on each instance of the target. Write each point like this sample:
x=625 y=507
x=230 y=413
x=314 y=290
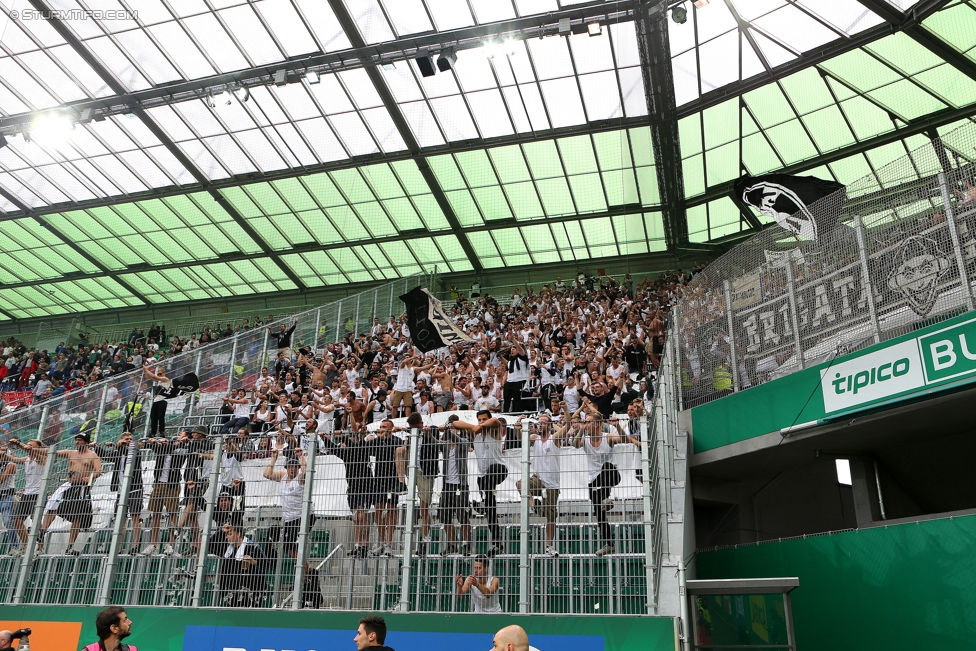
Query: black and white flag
x=188 y=383
x=786 y=198
x=430 y=327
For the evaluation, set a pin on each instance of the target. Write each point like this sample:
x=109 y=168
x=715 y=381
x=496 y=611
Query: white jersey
x=33 y=472
x=488 y=451
x=545 y=462
x=482 y=603
x=596 y=457
x=291 y=499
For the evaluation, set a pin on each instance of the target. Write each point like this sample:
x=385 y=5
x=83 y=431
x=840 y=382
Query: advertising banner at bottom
x=70 y=628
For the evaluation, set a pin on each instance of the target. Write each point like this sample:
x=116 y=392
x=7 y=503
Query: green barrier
x=162 y=629
x=906 y=586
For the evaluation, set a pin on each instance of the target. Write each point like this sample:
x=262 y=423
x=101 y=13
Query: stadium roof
x=333 y=160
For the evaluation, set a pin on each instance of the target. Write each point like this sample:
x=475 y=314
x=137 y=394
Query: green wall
x=161 y=629
x=906 y=586
x=798 y=398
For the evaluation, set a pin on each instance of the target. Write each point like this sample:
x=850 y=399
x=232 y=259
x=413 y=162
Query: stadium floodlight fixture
x=498 y=48
x=312 y=77
x=389 y=65
x=242 y=93
x=446 y=59
x=52 y=128
x=565 y=27
x=594 y=28
x=426 y=65
x=700 y=4
x=679 y=14
x=281 y=77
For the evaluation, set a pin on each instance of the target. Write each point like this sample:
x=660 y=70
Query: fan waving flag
x=184 y=384
x=786 y=198
x=430 y=327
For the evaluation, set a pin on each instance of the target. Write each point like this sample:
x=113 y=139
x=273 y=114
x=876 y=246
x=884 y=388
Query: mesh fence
x=888 y=256
x=246 y=508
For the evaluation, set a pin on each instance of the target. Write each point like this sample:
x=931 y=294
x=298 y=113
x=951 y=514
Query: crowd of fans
x=571 y=353
x=37 y=374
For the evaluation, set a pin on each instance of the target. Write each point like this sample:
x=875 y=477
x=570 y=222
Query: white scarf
x=239 y=556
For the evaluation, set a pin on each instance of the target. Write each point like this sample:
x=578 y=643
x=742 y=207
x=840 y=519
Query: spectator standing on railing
x=517 y=374
x=117 y=454
x=157 y=414
x=488 y=438
x=8 y=487
x=291 y=482
x=283 y=338
x=383 y=446
x=33 y=471
x=544 y=481
x=171 y=457
x=597 y=442
x=360 y=488
x=72 y=499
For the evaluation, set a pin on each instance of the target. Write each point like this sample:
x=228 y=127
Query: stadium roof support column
x=184 y=160
x=376 y=77
x=655 y=52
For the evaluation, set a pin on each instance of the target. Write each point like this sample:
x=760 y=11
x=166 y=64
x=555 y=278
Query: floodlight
x=594 y=28
x=86 y=115
x=52 y=128
x=312 y=77
x=426 y=65
x=679 y=15
x=701 y=3
x=446 y=59
x=242 y=93
x=389 y=65
x=281 y=77
x=564 y=27
x=492 y=49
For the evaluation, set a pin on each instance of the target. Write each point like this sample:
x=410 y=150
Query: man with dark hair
x=454 y=491
x=112 y=626
x=283 y=338
x=118 y=454
x=242 y=569
x=371 y=633
x=482 y=586
x=72 y=500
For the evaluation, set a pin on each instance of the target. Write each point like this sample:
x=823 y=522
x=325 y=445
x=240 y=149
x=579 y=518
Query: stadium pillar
x=303 y=533
x=315 y=337
x=27 y=559
x=650 y=568
x=733 y=361
x=794 y=314
x=408 y=525
x=525 y=537
x=101 y=413
x=866 y=273
x=121 y=512
x=233 y=359
x=956 y=247
x=679 y=372
x=218 y=450
x=193 y=398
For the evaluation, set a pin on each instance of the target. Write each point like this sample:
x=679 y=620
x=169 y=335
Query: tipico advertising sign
x=933 y=359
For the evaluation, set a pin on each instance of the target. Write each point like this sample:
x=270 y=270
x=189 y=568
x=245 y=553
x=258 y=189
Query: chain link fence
x=880 y=258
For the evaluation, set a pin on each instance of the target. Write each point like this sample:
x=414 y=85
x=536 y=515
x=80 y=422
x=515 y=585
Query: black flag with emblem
x=430 y=327
x=786 y=198
x=184 y=384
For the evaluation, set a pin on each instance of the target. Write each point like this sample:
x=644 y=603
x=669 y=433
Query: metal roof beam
x=651 y=22
x=315 y=246
x=386 y=96
x=113 y=83
x=359 y=56
x=914 y=127
x=601 y=126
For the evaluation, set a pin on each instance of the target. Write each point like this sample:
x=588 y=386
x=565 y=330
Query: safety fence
x=564 y=516
x=524 y=516
x=893 y=251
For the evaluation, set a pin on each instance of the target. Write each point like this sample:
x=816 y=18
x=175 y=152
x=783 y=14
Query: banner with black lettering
x=430 y=327
x=786 y=198
x=188 y=383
